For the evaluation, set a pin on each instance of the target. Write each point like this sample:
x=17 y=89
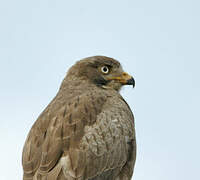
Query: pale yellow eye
x=105 y=69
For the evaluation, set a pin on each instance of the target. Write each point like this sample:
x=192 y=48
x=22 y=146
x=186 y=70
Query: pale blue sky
x=156 y=41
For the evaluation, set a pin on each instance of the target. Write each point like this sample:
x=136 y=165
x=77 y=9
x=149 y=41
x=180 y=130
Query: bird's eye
x=105 y=70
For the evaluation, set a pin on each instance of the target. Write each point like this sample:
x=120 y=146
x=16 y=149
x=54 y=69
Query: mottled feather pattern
x=105 y=141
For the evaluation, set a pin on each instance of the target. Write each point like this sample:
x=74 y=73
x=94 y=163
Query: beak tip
x=131 y=82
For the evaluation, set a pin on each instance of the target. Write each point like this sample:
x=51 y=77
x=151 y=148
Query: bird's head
x=102 y=71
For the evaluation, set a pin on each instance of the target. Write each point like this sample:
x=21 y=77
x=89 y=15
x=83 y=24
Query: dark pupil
x=105 y=69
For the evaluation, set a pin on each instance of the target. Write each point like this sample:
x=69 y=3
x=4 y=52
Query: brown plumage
x=87 y=131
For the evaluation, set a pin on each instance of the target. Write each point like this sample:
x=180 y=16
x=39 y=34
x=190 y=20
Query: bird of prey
x=87 y=132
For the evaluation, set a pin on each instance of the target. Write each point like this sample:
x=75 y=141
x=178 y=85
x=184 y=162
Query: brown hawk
x=87 y=131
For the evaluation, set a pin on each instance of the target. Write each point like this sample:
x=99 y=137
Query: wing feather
x=56 y=134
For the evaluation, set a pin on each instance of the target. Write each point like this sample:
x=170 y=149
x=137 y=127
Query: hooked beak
x=124 y=79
